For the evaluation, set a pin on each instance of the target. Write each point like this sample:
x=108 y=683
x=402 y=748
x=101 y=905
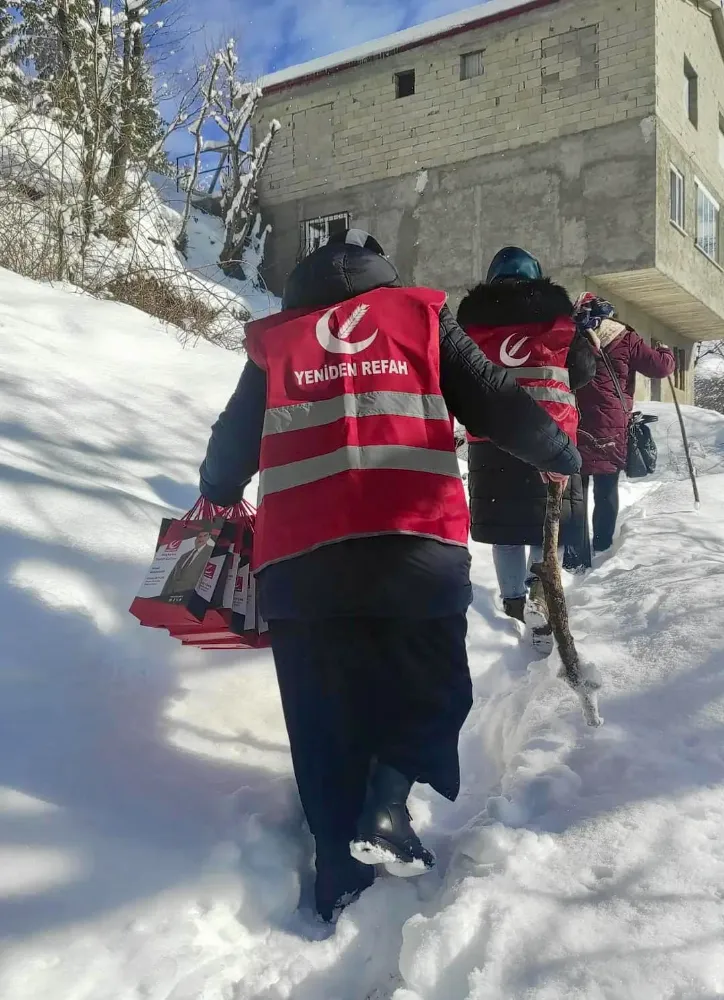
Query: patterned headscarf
x=590 y=311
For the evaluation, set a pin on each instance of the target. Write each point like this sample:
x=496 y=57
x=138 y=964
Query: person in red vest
x=524 y=323
x=346 y=408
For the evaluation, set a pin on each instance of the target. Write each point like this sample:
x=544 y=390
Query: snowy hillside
x=151 y=845
x=709 y=381
x=40 y=166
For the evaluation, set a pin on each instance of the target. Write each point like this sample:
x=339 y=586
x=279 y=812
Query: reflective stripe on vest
x=286 y=477
x=360 y=448
x=544 y=392
x=301 y=416
x=535 y=355
x=554 y=374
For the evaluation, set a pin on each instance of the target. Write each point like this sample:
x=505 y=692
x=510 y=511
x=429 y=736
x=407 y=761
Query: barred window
x=316 y=232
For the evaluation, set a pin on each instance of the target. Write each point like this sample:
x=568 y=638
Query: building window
x=317 y=232
x=707 y=222
x=691 y=93
x=681 y=368
x=471 y=65
x=405 y=83
x=677 y=190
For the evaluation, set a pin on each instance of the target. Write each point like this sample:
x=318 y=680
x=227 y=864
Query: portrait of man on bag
x=189 y=567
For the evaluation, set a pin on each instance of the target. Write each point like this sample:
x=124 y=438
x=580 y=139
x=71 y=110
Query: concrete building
x=589 y=131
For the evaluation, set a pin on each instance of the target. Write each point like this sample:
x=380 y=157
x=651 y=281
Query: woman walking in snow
x=361 y=554
x=523 y=322
x=603 y=428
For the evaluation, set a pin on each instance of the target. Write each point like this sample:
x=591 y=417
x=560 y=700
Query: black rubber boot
x=514 y=607
x=384 y=834
x=340 y=881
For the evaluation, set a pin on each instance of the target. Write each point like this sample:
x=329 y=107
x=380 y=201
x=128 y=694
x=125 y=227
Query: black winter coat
x=507 y=495
x=393 y=575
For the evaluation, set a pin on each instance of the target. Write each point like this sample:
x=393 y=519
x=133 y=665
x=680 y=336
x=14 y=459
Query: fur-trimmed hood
x=508 y=303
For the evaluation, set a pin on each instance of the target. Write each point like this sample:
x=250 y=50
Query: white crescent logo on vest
x=339 y=344
x=508 y=357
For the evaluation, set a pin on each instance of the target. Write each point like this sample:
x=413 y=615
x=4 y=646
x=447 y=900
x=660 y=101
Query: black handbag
x=641 y=452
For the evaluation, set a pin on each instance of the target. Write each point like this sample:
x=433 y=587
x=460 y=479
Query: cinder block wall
x=562 y=69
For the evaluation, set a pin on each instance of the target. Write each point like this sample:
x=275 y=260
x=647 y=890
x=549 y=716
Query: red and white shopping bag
x=206 y=599
x=186 y=560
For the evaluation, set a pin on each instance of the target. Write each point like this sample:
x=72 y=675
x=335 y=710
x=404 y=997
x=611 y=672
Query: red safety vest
x=357 y=438
x=535 y=354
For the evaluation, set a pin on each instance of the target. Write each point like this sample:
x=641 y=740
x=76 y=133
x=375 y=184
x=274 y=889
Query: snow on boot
x=542 y=640
x=340 y=881
x=384 y=834
x=514 y=607
x=536 y=609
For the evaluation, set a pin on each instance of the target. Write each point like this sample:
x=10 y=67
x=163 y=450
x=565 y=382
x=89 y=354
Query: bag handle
x=204 y=509
x=616 y=383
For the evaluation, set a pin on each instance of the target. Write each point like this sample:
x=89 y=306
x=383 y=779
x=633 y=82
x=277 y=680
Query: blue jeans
x=515 y=573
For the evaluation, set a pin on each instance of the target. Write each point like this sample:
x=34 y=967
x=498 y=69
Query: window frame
x=702 y=189
x=479 y=54
x=681 y=369
x=306 y=227
x=691 y=93
x=676 y=175
x=405 y=74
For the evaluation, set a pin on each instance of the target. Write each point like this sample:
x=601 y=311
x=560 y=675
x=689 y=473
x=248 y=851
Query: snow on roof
x=409 y=38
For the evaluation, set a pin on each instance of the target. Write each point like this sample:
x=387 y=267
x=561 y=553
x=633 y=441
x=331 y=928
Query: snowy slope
x=151 y=845
x=36 y=151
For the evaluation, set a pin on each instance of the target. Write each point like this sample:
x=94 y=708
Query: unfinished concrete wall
x=583 y=203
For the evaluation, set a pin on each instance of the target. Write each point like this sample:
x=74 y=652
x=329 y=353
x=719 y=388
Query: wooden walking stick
x=582 y=678
x=692 y=474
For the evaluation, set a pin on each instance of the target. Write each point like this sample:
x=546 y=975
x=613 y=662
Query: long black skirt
x=356 y=689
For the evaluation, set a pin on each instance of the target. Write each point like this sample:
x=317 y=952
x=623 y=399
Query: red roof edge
x=460 y=29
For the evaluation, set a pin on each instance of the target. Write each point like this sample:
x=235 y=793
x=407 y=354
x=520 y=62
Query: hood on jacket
x=514 y=263
x=608 y=331
x=508 y=303
x=336 y=272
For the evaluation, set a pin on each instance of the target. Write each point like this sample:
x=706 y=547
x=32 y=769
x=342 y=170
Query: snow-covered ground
x=151 y=845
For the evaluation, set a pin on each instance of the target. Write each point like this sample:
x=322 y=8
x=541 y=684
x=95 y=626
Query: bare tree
x=233 y=106
x=208 y=88
x=709 y=375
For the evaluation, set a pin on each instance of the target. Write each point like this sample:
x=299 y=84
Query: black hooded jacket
x=507 y=496
x=393 y=575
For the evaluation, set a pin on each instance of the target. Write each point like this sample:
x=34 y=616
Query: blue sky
x=277 y=33
x=274 y=34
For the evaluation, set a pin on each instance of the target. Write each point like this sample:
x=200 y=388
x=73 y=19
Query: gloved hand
x=554 y=477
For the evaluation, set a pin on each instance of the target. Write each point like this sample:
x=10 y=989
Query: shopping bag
x=179 y=578
x=213 y=622
x=232 y=620
x=200 y=586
